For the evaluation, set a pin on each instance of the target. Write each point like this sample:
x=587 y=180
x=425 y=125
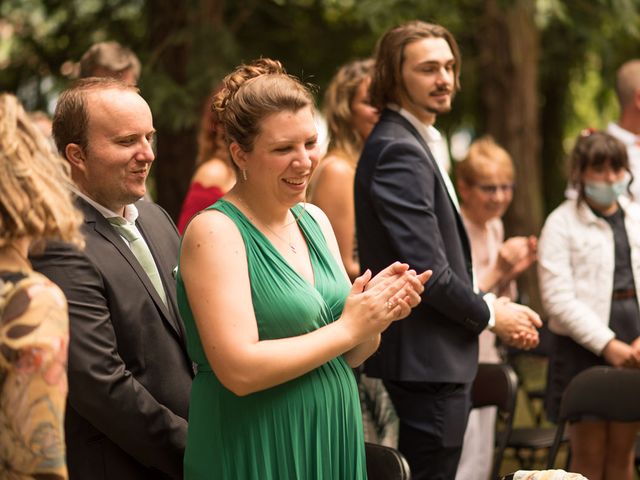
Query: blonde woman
x=485 y=183
x=34 y=206
x=350 y=119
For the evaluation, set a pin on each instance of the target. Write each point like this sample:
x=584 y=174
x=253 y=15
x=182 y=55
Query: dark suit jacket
x=403 y=212
x=129 y=373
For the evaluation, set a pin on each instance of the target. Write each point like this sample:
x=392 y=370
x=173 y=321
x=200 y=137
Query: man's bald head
x=628 y=83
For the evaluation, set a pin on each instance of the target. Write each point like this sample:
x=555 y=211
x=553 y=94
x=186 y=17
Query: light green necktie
x=141 y=251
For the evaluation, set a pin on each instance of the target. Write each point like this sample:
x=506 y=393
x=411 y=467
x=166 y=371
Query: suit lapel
x=166 y=266
x=397 y=118
x=103 y=228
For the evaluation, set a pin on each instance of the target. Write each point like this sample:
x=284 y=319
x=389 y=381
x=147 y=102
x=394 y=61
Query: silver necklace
x=255 y=220
x=292 y=247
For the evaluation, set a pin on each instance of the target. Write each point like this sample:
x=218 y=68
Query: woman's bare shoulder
x=211 y=226
x=214 y=172
x=320 y=217
x=337 y=165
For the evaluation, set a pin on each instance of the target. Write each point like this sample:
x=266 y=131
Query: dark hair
x=387 y=75
x=252 y=92
x=594 y=149
x=211 y=133
x=71 y=118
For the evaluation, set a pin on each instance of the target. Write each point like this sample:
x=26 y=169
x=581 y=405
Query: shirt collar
x=130 y=211
x=428 y=132
x=432 y=138
x=625 y=136
x=584 y=209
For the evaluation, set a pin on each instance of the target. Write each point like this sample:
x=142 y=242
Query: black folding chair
x=603 y=393
x=496 y=385
x=386 y=463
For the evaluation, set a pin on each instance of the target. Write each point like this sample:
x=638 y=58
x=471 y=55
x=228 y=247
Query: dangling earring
x=244 y=175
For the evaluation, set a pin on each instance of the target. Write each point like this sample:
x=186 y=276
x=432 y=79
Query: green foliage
x=39 y=36
x=582 y=44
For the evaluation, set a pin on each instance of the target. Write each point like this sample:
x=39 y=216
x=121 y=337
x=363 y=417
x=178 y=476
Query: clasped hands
x=620 y=354
x=375 y=302
x=516 y=324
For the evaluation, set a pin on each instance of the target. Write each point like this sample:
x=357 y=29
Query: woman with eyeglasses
x=589 y=272
x=485 y=185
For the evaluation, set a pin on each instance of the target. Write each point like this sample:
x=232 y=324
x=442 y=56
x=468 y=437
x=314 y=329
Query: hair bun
x=240 y=76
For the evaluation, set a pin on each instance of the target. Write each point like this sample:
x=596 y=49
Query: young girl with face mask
x=589 y=269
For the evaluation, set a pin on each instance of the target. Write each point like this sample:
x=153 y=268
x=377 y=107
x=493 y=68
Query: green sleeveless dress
x=308 y=428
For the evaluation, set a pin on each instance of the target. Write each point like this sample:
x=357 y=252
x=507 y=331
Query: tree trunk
x=509 y=50
x=176 y=148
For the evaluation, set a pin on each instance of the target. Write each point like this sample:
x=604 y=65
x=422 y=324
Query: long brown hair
x=387 y=76
x=211 y=133
x=337 y=107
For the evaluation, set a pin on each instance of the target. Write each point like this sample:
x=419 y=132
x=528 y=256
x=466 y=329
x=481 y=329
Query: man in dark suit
x=129 y=372
x=406 y=210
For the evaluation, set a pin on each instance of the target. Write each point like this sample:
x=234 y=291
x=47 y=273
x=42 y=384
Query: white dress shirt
x=432 y=136
x=632 y=142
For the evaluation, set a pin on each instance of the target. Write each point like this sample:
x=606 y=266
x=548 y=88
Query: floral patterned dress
x=34 y=334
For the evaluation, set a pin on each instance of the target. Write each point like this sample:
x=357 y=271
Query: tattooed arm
x=33 y=381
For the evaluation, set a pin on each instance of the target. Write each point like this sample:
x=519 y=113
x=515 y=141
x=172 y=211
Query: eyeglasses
x=493 y=189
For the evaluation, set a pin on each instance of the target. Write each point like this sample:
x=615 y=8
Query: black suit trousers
x=433 y=419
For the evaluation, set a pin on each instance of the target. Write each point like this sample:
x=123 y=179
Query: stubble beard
x=438 y=109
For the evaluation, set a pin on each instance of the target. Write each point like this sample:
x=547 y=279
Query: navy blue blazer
x=404 y=212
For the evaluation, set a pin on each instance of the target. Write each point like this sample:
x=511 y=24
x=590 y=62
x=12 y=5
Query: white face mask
x=605 y=193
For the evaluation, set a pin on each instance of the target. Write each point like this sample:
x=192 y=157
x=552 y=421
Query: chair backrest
x=386 y=463
x=496 y=384
x=604 y=393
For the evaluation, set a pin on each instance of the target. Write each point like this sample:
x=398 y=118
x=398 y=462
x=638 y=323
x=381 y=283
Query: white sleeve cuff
x=489 y=298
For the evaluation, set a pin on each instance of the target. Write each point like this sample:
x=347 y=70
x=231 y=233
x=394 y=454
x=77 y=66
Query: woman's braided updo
x=254 y=91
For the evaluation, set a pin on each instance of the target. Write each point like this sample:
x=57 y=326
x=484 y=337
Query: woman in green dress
x=272 y=322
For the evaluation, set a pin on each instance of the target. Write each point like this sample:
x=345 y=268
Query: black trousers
x=433 y=418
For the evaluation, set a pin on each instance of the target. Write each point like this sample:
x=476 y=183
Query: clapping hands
x=516 y=255
x=374 y=303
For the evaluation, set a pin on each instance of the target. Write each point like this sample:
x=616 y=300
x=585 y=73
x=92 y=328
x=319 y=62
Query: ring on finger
x=390 y=305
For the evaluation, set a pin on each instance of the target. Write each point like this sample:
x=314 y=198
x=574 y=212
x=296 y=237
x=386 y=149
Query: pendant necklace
x=292 y=247
x=289 y=242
